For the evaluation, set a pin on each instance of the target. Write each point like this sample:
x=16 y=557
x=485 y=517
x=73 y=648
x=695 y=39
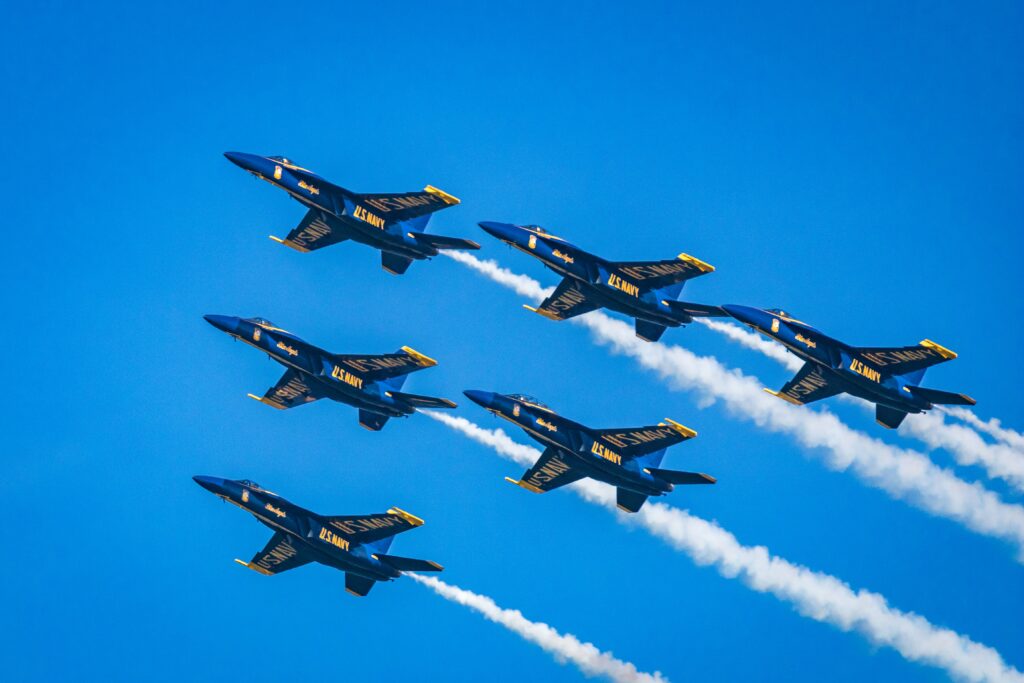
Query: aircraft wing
x=657 y=274
x=278 y=556
x=402 y=206
x=633 y=442
x=810 y=384
x=902 y=360
x=370 y=528
x=380 y=367
x=567 y=301
x=293 y=389
x=550 y=472
x=316 y=230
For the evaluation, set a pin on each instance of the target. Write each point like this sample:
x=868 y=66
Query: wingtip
x=784 y=397
x=522 y=484
x=682 y=429
x=420 y=358
x=938 y=348
x=407 y=516
x=448 y=199
x=704 y=266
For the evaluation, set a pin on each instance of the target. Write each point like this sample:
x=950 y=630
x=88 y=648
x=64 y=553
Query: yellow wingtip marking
x=254 y=567
x=409 y=517
x=266 y=401
x=682 y=429
x=547 y=314
x=421 y=359
x=435 y=565
x=942 y=350
x=523 y=484
x=883 y=424
x=702 y=265
x=289 y=243
x=352 y=592
x=784 y=397
x=444 y=196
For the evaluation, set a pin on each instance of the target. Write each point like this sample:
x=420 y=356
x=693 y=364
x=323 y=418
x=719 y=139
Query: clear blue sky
x=860 y=167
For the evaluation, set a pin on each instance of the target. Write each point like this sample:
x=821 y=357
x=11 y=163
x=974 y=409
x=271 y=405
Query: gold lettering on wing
x=810 y=344
x=347 y=377
x=277 y=511
x=362 y=214
x=565 y=257
x=333 y=538
x=550 y=471
x=862 y=369
x=622 y=285
x=287 y=349
x=599 y=449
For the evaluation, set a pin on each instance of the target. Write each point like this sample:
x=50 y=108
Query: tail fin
x=422 y=401
x=372 y=421
x=941 y=397
x=408 y=564
x=442 y=242
x=651 y=460
x=678 y=477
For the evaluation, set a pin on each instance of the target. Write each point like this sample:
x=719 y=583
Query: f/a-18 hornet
x=627 y=458
x=888 y=376
x=355 y=544
x=644 y=290
x=370 y=383
x=394 y=223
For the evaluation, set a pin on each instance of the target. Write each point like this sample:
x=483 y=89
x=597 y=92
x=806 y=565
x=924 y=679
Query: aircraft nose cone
x=502 y=231
x=237 y=158
x=482 y=398
x=211 y=484
x=224 y=323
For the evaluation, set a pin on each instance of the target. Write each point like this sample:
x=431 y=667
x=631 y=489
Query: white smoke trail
x=902 y=473
x=565 y=647
x=815 y=595
x=992 y=427
x=1000 y=461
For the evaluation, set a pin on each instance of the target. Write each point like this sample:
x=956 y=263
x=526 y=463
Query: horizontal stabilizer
x=889 y=417
x=372 y=421
x=358 y=585
x=677 y=477
x=649 y=331
x=629 y=501
x=692 y=310
x=442 y=242
x=409 y=564
x=422 y=401
x=393 y=263
x=941 y=397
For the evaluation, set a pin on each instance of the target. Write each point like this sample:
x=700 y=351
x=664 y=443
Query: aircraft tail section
x=422 y=401
x=442 y=242
x=372 y=421
x=358 y=585
x=941 y=397
x=409 y=564
x=679 y=477
x=629 y=501
x=393 y=263
x=889 y=417
x=649 y=331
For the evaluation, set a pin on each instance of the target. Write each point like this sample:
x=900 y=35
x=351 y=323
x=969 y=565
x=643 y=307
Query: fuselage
x=308 y=530
x=834 y=357
x=611 y=290
x=315 y=364
x=360 y=219
x=573 y=440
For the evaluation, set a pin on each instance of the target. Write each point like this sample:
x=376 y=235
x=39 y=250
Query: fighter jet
x=889 y=377
x=627 y=458
x=645 y=290
x=395 y=223
x=370 y=383
x=355 y=544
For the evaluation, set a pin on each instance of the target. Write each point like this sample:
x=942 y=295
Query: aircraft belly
x=625 y=304
x=616 y=475
x=371 y=236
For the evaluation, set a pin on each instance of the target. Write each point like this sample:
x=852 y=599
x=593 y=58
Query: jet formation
x=888 y=376
x=370 y=383
x=628 y=458
x=644 y=290
x=354 y=544
x=394 y=223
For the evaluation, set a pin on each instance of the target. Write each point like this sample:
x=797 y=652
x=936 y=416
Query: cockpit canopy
x=263 y=322
x=283 y=160
x=250 y=484
x=530 y=400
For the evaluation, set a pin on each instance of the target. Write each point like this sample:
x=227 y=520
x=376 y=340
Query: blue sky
x=860 y=167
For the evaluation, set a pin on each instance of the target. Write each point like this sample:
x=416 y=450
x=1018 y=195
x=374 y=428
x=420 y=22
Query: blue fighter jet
x=355 y=544
x=627 y=458
x=393 y=223
x=889 y=377
x=370 y=383
x=645 y=290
